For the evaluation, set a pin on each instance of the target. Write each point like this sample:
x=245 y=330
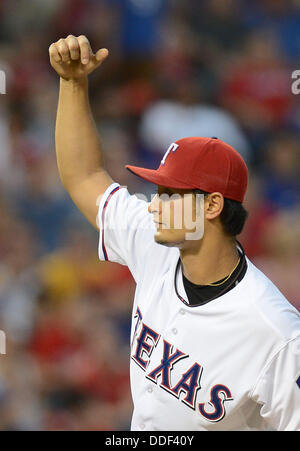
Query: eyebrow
x=164 y=190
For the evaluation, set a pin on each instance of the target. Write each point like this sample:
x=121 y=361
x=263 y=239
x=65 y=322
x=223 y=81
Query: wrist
x=74 y=84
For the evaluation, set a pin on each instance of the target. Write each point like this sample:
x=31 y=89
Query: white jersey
x=232 y=364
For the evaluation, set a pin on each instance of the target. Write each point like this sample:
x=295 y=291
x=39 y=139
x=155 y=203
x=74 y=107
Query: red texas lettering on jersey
x=188 y=384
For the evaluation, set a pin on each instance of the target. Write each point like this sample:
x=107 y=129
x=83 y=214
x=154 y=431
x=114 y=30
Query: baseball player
x=214 y=344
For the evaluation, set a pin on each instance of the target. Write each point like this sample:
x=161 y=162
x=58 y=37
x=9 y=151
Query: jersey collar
x=179 y=287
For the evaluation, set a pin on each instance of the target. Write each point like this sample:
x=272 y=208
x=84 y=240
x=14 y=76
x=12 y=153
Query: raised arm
x=78 y=147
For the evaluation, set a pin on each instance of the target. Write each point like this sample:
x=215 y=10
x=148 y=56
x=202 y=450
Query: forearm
x=78 y=147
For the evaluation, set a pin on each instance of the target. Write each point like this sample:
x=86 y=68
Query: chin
x=168 y=241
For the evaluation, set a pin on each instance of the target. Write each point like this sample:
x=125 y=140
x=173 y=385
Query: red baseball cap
x=208 y=164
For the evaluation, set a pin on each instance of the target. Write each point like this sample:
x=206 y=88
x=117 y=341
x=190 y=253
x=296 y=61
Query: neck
x=209 y=260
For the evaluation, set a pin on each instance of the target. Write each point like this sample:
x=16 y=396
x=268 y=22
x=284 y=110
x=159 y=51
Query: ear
x=213 y=205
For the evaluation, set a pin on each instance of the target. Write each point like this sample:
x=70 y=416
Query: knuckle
x=62 y=47
x=83 y=38
x=52 y=50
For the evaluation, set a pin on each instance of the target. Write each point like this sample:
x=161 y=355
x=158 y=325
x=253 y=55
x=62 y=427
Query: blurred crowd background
x=201 y=67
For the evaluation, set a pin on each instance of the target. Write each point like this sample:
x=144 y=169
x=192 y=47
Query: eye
x=162 y=191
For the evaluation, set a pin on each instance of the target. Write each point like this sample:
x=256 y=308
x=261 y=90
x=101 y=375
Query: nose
x=153 y=207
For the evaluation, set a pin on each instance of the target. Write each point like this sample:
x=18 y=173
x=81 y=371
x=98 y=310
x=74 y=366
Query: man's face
x=178 y=216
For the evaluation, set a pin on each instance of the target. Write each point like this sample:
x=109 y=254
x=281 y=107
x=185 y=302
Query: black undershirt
x=201 y=294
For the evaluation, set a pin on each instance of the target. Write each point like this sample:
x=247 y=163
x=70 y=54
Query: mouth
x=157 y=223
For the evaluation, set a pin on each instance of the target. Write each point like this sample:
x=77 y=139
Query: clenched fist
x=73 y=58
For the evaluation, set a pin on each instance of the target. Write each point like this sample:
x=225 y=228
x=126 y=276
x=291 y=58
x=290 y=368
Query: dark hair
x=233 y=216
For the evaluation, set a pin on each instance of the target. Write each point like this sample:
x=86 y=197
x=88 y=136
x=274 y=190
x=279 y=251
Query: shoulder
x=270 y=307
x=123 y=211
x=127 y=233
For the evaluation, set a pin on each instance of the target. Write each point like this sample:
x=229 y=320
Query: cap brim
x=153 y=176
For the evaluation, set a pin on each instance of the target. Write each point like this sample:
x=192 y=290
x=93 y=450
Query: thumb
x=96 y=60
x=100 y=56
